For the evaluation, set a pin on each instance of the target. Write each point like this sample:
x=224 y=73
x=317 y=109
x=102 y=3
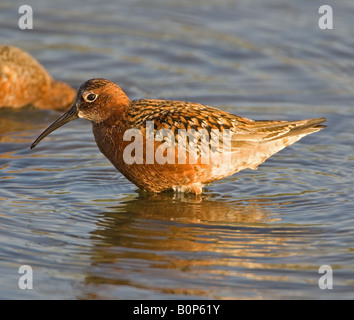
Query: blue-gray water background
x=89 y=234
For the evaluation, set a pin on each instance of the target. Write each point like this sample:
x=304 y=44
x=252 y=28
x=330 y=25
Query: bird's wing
x=240 y=132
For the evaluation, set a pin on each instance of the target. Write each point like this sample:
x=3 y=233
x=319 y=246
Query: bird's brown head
x=96 y=100
x=99 y=99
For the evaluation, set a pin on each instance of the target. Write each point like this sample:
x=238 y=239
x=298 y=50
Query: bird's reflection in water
x=182 y=245
x=191 y=208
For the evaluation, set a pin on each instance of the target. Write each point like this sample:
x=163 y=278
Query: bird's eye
x=91 y=97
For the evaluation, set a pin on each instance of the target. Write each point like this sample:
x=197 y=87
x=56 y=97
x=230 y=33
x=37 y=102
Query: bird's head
x=96 y=100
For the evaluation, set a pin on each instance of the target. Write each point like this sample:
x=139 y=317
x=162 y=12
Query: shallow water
x=88 y=233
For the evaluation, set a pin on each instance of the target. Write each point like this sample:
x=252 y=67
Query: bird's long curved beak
x=70 y=115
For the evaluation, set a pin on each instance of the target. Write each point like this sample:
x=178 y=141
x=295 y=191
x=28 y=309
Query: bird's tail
x=269 y=137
